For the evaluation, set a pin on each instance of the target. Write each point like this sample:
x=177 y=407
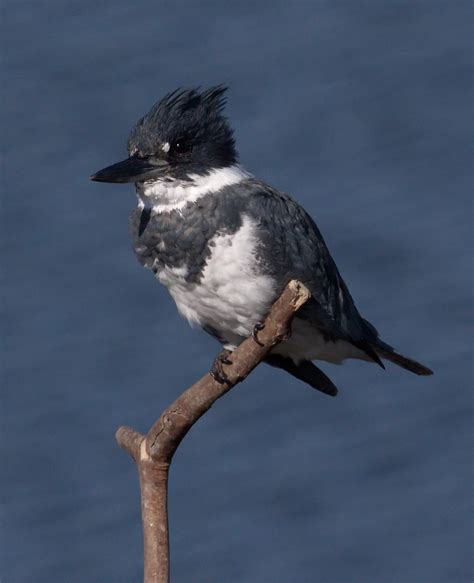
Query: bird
x=225 y=243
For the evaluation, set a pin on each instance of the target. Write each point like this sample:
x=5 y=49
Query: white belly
x=232 y=295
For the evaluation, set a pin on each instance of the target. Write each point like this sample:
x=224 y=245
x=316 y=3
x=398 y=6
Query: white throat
x=165 y=196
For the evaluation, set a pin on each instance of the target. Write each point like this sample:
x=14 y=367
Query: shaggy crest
x=191 y=117
x=213 y=99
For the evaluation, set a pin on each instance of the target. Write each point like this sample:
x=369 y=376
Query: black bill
x=132 y=170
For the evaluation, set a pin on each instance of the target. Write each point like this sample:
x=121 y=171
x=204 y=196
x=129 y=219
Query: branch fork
x=154 y=451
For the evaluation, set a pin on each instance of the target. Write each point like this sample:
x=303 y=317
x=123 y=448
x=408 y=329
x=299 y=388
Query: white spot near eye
x=133 y=151
x=166 y=147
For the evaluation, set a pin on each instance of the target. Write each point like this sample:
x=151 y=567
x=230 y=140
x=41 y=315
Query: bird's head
x=186 y=133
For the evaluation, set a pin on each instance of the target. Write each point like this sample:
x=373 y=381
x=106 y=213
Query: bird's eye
x=181 y=146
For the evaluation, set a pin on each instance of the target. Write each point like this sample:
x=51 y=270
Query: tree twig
x=154 y=451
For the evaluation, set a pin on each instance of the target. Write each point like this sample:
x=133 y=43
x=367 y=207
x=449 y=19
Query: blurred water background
x=362 y=110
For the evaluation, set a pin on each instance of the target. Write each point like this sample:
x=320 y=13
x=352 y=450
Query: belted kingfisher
x=225 y=244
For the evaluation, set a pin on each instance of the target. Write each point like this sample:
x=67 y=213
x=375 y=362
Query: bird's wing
x=292 y=247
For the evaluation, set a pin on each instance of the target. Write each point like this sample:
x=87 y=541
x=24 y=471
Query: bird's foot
x=217 y=372
x=256 y=329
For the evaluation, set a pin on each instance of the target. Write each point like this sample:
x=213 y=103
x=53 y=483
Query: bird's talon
x=217 y=372
x=220 y=377
x=256 y=329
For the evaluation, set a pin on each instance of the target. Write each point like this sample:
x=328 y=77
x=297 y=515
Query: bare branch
x=154 y=452
x=129 y=440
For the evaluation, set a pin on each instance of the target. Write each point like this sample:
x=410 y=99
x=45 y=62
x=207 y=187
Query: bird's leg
x=256 y=329
x=217 y=372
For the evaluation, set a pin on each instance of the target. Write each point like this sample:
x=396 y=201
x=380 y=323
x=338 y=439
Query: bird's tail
x=403 y=361
x=305 y=371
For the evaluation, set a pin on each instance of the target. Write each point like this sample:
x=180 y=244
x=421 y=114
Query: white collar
x=165 y=196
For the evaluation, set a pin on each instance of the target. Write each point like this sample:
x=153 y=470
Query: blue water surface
x=362 y=111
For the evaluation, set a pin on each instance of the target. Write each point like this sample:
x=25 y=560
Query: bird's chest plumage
x=209 y=261
x=171 y=241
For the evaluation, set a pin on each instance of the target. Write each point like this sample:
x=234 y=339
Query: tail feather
x=370 y=351
x=403 y=361
x=305 y=371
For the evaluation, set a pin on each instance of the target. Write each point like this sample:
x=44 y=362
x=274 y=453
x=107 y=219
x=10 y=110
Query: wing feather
x=293 y=247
